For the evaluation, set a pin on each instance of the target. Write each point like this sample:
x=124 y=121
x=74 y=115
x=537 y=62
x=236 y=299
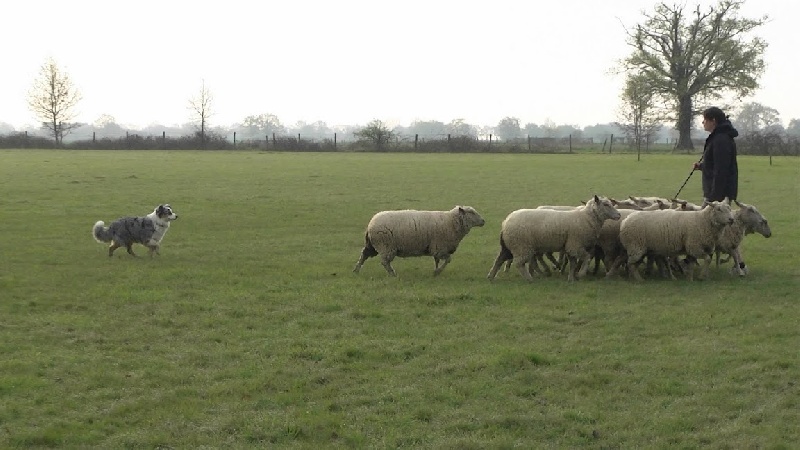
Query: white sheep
x=609 y=246
x=684 y=205
x=527 y=234
x=628 y=203
x=645 y=201
x=746 y=220
x=409 y=232
x=670 y=233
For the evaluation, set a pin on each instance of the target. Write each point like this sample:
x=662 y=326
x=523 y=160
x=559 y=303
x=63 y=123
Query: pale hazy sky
x=346 y=62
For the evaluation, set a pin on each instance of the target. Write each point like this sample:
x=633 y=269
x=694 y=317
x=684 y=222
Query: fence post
x=164 y=139
x=273 y=139
x=769 y=152
x=266 y=141
x=570 y=143
x=94 y=137
x=610 y=143
x=416 y=139
x=529 y=143
x=234 y=139
x=334 y=141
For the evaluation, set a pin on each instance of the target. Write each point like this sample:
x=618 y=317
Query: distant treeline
x=756 y=143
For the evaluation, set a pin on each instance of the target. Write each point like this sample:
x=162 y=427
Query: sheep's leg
x=129 y=248
x=583 y=259
x=599 y=255
x=739 y=267
x=508 y=265
x=673 y=263
x=153 y=250
x=557 y=264
x=386 y=260
x=664 y=265
x=536 y=264
x=707 y=258
x=615 y=265
x=689 y=266
x=634 y=259
x=113 y=247
x=650 y=264
x=503 y=257
x=366 y=253
x=438 y=269
x=573 y=267
x=525 y=271
x=542 y=267
x=609 y=258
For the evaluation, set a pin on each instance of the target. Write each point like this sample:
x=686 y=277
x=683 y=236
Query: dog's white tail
x=100 y=232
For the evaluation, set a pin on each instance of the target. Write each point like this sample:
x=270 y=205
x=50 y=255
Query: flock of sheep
x=670 y=235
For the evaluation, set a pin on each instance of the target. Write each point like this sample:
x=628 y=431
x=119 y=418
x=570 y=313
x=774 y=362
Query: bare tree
x=640 y=117
x=377 y=133
x=200 y=106
x=693 y=57
x=53 y=98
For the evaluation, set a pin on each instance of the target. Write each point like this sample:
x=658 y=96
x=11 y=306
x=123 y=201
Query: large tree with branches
x=53 y=98
x=692 y=58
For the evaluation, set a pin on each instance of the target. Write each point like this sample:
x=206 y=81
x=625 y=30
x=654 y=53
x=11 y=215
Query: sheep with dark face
x=746 y=220
x=406 y=233
x=527 y=234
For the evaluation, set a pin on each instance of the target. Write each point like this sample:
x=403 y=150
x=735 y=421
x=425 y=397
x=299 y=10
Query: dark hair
x=714 y=114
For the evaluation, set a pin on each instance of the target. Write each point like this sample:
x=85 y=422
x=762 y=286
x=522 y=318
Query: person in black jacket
x=718 y=164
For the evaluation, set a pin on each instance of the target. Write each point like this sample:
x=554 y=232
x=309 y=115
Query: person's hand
x=696 y=166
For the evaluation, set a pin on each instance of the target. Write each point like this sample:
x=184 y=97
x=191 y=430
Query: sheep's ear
x=461 y=209
x=632 y=197
x=740 y=205
x=596 y=199
x=614 y=202
x=727 y=201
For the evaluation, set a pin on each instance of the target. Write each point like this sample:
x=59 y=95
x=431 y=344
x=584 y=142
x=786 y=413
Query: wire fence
x=756 y=143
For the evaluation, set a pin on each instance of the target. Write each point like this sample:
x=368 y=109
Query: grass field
x=250 y=330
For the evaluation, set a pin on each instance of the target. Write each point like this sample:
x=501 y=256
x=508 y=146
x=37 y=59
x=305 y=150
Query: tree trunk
x=685 y=117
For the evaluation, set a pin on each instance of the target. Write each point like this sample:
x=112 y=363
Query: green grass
x=251 y=331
